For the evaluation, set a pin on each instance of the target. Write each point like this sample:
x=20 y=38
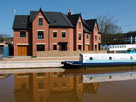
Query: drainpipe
x=48 y=40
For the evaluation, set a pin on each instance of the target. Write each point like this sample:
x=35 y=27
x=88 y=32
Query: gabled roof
x=91 y=23
x=21 y=22
x=74 y=18
x=86 y=30
x=86 y=27
x=56 y=19
x=36 y=13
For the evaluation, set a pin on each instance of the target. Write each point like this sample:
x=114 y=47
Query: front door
x=63 y=47
x=22 y=50
x=87 y=48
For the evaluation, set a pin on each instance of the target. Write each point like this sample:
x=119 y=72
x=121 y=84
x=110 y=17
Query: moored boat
x=102 y=60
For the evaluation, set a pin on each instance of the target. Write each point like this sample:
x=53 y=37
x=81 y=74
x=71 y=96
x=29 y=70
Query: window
x=95 y=47
x=80 y=47
x=55 y=84
x=40 y=35
x=55 y=73
x=40 y=74
x=91 y=58
x=79 y=36
x=41 y=85
x=40 y=47
x=63 y=34
x=63 y=47
x=54 y=47
x=79 y=24
x=22 y=34
x=23 y=86
x=64 y=84
x=95 y=28
x=41 y=98
x=40 y=21
x=110 y=58
x=87 y=36
x=55 y=34
x=95 y=37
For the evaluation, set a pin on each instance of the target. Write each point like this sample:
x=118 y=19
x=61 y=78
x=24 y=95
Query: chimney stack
x=69 y=13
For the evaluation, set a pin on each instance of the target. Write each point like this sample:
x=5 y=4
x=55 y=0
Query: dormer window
x=79 y=24
x=24 y=22
x=87 y=36
x=40 y=21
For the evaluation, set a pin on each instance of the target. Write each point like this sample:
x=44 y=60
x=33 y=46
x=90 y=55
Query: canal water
x=70 y=85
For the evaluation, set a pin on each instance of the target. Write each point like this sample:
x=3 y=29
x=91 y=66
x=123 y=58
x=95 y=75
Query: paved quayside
x=39 y=62
x=30 y=64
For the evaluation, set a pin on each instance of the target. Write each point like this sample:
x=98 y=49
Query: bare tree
x=107 y=26
x=3 y=37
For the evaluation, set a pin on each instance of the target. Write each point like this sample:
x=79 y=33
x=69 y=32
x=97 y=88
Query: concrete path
x=28 y=62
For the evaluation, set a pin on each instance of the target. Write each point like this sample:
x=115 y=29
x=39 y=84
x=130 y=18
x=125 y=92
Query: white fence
x=123 y=47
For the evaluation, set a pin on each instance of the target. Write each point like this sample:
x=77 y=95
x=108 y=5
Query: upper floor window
x=95 y=28
x=40 y=21
x=55 y=34
x=79 y=24
x=79 y=36
x=63 y=34
x=40 y=74
x=41 y=85
x=22 y=34
x=87 y=36
x=40 y=35
x=95 y=37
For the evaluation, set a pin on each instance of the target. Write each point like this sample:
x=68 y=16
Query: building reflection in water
x=51 y=87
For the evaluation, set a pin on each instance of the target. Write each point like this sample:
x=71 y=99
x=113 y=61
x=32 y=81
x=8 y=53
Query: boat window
x=110 y=58
x=131 y=58
x=91 y=58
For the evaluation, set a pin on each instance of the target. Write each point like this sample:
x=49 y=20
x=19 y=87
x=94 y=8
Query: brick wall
x=87 y=41
x=21 y=40
x=68 y=38
x=35 y=29
x=76 y=35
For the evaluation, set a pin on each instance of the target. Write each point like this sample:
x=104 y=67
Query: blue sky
x=124 y=11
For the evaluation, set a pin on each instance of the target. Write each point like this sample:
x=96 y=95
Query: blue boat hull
x=77 y=64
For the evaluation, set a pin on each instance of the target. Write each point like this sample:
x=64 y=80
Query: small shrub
x=33 y=56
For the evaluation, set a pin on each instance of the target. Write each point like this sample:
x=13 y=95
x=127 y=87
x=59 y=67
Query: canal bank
x=39 y=62
x=43 y=60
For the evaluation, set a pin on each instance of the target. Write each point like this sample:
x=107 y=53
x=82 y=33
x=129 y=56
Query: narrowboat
x=102 y=60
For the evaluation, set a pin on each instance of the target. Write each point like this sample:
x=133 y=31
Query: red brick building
x=54 y=31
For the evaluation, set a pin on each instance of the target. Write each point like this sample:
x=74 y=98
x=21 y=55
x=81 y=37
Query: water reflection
x=48 y=87
x=81 y=85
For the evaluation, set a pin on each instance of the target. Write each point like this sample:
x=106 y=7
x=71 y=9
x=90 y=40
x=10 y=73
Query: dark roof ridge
x=75 y=14
x=51 y=12
x=69 y=23
x=90 y=19
x=43 y=15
